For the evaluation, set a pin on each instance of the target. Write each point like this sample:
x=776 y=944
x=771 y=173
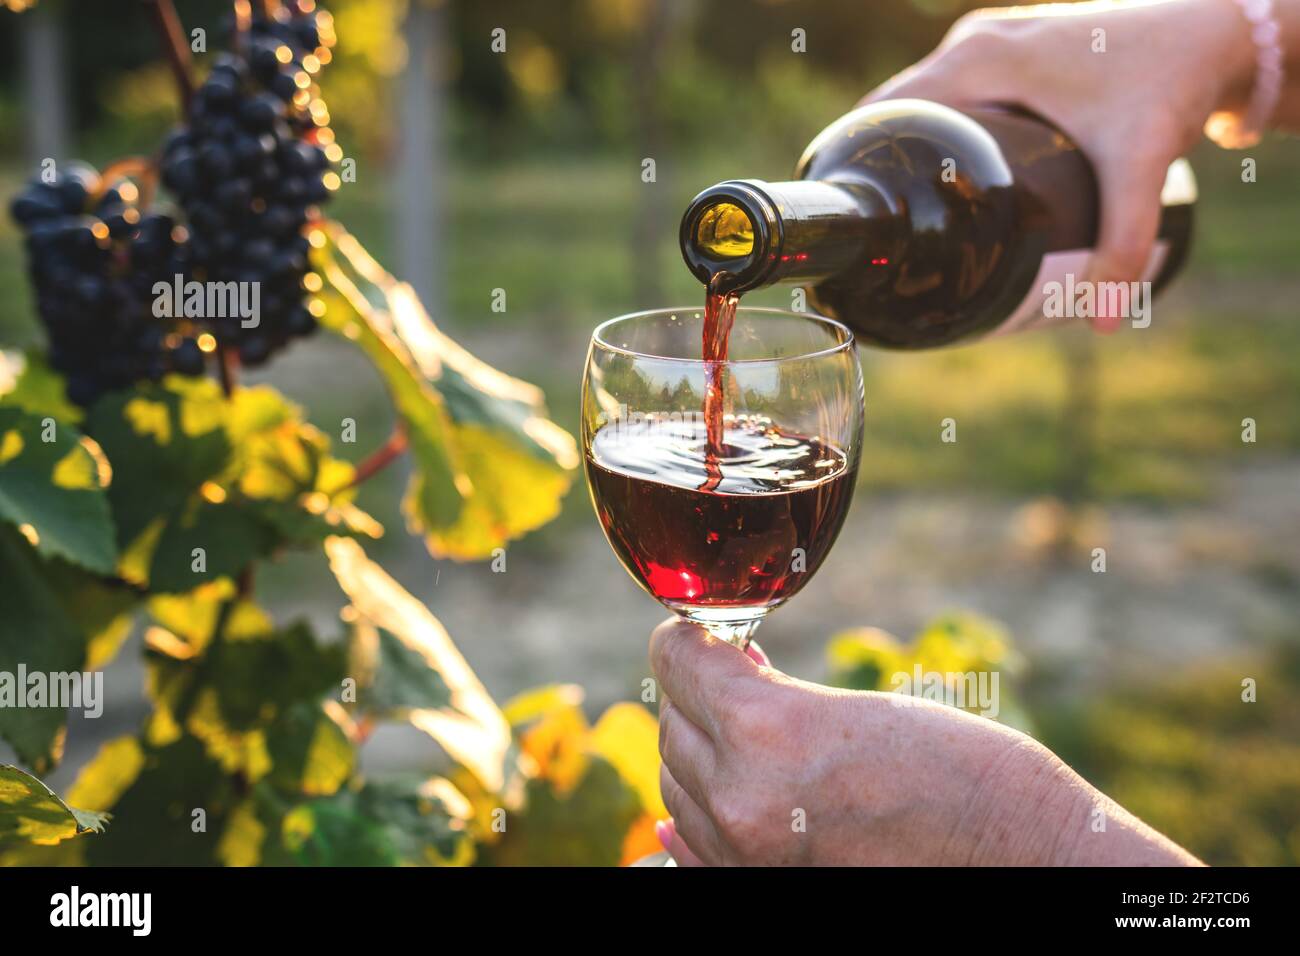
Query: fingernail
x=758 y=654
x=664 y=832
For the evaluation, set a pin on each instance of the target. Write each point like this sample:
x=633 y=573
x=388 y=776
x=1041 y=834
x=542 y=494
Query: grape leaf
x=531 y=705
x=425 y=819
x=28 y=382
x=164 y=441
x=32 y=812
x=254 y=700
x=101 y=609
x=470 y=727
x=155 y=814
x=209 y=484
x=310 y=753
x=397 y=820
x=584 y=826
x=392 y=677
x=330 y=832
x=627 y=735
x=490 y=465
x=54 y=490
x=103 y=780
x=193 y=617
x=37 y=633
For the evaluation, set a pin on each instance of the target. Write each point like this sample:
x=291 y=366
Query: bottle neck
x=802 y=231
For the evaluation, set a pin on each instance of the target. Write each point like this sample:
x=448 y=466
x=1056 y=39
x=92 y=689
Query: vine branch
x=383 y=456
x=169 y=29
x=228 y=367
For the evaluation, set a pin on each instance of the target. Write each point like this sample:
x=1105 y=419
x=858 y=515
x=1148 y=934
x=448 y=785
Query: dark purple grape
x=93 y=277
x=248 y=177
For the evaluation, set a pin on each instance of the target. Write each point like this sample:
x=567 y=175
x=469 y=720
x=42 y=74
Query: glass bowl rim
x=847 y=344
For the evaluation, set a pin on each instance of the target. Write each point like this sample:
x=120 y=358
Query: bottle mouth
x=730 y=228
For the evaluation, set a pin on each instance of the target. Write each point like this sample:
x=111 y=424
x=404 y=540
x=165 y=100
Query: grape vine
x=249 y=168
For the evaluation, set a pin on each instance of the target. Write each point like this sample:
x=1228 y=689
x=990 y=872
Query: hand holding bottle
x=1133 y=84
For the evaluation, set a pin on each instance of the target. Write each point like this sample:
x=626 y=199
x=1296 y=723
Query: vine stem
x=228 y=367
x=169 y=29
x=383 y=456
x=168 y=24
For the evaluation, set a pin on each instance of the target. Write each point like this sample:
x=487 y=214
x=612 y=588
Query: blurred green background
x=522 y=171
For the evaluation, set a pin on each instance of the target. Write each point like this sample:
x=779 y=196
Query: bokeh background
x=522 y=171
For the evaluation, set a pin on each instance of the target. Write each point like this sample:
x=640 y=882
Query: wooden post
x=421 y=179
x=44 y=82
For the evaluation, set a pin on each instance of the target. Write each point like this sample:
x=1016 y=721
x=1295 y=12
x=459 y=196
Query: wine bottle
x=919 y=225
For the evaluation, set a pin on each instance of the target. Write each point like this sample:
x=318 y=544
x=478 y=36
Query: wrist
x=1232 y=57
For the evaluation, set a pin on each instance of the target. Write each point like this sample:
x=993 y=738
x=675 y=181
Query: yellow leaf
x=627 y=735
x=241 y=843
x=108 y=775
x=558 y=743
x=540 y=701
x=641 y=840
x=510 y=493
x=489 y=464
x=472 y=729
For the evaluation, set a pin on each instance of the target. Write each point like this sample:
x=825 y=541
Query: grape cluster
x=251 y=169
x=94 y=258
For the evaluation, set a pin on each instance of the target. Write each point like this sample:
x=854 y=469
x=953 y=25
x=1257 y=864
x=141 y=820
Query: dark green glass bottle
x=919 y=225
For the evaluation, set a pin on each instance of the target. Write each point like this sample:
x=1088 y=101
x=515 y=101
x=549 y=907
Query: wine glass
x=722 y=539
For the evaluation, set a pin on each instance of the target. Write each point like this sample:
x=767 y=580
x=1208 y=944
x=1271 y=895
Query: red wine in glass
x=740 y=525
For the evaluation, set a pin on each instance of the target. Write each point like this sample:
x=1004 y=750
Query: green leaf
x=253 y=699
x=28 y=382
x=193 y=617
x=470 y=727
x=286 y=474
x=156 y=815
x=113 y=769
x=489 y=464
x=331 y=833
x=401 y=820
x=437 y=479
x=54 y=489
x=38 y=633
x=229 y=535
x=271 y=673
x=101 y=610
x=238 y=479
x=32 y=812
x=165 y=441
x=310 y=753
x=426 y=820
x=394 y=677
x=864 y=659
x=582 y=827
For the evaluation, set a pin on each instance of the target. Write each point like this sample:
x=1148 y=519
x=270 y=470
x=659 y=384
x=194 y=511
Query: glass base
x=734 y=625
